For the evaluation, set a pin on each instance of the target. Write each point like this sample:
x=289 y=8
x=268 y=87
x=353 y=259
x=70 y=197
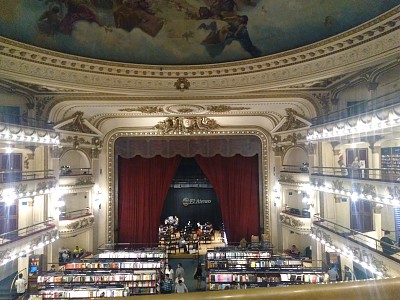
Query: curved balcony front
x=25 y=240
x=296 y=220
x=75 y=222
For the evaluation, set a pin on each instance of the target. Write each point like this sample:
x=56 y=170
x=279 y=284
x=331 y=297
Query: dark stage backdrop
x=193 y=204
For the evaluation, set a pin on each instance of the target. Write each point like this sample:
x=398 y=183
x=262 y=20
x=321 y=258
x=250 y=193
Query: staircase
x=5 y=286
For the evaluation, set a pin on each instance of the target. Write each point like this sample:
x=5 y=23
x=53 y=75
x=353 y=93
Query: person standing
x=180 y=272
x=198 y=275
x=333 y=275
x=20 y=284
x=167 y=285
x=169 y=271
x=348 y=275
x=181 y=288
x=356 y=167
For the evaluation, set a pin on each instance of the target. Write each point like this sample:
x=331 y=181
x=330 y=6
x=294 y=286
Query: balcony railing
x=22 y=120
x=300 y=213
x=384 y=174
x=359 y=238
x=303 y=168
x=70 y=215
x=68 y=171
x=13 y=176
x=353 y=110
x=17 y=234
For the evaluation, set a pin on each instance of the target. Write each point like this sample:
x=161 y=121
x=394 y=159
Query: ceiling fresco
x=181 y=32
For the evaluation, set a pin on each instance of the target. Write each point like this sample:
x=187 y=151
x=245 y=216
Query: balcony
x=296 y=220
x=362 y=248
x=375 y=116
x=20 y=129
x=25 y=240
x=375 y=185
x=75 y=222
x=74 y=180
x=294 y=175
x=17 y=184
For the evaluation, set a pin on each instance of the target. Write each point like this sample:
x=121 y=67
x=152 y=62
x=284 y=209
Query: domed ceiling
x=181 y=32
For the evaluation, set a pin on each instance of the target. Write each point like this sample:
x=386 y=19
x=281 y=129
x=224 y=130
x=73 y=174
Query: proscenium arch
x=264 y=163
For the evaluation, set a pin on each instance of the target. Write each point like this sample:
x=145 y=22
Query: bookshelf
x=236 y=268
x=109 y=274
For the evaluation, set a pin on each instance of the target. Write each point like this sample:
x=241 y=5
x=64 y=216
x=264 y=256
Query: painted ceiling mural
x=181 y=32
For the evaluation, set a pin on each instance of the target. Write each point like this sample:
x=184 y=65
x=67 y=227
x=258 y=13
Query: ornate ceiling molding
x=366 y=44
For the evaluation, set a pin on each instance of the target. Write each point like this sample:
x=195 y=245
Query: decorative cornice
x=361 y=45
x=68 y=228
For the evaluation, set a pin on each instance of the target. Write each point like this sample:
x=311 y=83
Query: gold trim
x=265 y=179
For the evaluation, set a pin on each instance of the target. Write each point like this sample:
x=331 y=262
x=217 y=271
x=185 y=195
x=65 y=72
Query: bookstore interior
x=136 y=136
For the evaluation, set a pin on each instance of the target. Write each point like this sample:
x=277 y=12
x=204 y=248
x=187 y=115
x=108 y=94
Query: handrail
x=68 y=171
x=18 y=233
x=14 y=176
x=387 y=289
x=296 y=212
x=303 y=168
x=75 y=214
x=15 y=277
x=357 y=237
x=23 y=120
x=360 y=108
x=381 y=174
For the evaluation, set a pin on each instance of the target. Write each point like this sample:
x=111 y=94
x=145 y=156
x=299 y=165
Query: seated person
x=243 y=243
x=294 y=251
x=78 y=252
x=183 y=244
x=387 y=243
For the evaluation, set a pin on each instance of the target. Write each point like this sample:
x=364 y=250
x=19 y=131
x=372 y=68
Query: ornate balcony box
x=378 y=191
x=72 y=227
x=297 y=224
x=357 y=247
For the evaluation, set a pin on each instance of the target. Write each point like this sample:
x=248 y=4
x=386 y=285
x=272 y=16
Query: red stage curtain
x=235 y=181
x=143 y=186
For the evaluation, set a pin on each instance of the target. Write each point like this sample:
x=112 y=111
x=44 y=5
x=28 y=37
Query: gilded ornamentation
x=77 y=124
x=182 y=84
x=20 y=188
x=144 y=109
x=87 y=180
x=186 y=125
x=337 y=184
x=80 y=224
x=293 y=222
x=369 y=189
x=224 y=108
x=394 y=191
x=76 y=141
x=286 y=178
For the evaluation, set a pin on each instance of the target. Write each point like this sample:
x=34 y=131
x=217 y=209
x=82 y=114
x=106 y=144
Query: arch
x=295 y=156
x=264 y=161
x=75 y=159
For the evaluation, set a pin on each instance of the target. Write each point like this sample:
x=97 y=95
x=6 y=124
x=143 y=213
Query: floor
x=189 y=262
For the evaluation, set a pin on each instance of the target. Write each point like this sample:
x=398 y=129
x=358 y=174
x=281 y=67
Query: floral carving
x=186 y=125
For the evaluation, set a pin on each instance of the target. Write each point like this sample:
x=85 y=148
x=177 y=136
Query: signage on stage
x=187 y=201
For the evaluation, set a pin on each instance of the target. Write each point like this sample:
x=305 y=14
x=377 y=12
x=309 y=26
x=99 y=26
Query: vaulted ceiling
x=289 y=54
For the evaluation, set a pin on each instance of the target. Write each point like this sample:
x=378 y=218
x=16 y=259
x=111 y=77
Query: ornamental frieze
x=186 y=125
x=144 y=109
